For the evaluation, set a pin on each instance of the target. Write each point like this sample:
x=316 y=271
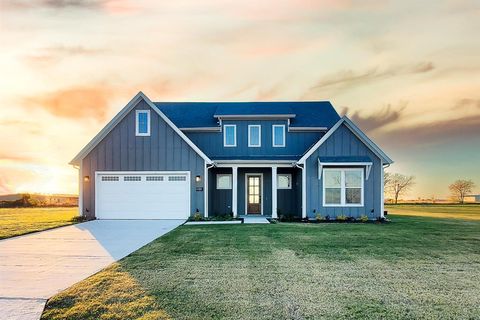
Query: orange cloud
x=77 y=102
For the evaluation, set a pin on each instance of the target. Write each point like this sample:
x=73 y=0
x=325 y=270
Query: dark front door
x=254 y=194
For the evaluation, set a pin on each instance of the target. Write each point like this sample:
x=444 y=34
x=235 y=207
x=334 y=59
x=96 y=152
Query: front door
x=254 y=194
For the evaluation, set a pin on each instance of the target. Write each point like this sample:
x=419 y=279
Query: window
x=254 y=136
x=177 y=178
x=109 y=178
x=230 y=135
x=343 y=187
x=224 y=181
x=132 y=178
x=278 y=133
x=142 y=123
x=284 y=181
x=154 y=178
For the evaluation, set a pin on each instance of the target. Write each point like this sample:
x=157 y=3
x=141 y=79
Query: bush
x=342 y=218
x=197 y=216
x=319 y=217
x=364 y=218
x=78 y=219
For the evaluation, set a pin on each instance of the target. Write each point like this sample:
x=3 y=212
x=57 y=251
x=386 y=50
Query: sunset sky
x=407 y=72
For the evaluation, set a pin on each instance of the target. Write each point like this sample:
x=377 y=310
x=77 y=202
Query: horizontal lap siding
x=121 y=150
x=344 y=143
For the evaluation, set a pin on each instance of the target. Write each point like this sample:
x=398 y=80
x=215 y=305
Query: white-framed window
x=254 y=135
x=229 y=135
x=284 y=181
x=224 y=181
x=142 y=123
x=343 y=187
x=278 y=135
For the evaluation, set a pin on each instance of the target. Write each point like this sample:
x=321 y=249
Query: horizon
x=406 y=73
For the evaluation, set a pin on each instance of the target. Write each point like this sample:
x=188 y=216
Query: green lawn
x=467 y=212
x=18 y=221
x=414 y=267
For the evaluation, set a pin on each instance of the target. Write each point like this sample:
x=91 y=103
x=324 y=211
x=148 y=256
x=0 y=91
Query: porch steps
x=254 y=220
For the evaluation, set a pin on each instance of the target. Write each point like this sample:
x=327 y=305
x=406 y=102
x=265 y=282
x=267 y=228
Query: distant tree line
x=397 y=185
x=26 y=200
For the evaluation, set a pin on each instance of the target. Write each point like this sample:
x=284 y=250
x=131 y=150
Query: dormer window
x=278 y=135
x=254 y=136
x=229 y=135
x=142 y=123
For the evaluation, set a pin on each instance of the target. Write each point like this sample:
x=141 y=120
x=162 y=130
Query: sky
x=407 y=72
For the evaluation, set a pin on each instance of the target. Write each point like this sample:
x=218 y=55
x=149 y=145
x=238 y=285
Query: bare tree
x=461 y=188
x=398 y=184
x=386 y=178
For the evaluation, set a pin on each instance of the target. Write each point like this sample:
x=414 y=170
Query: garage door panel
x=143 y=196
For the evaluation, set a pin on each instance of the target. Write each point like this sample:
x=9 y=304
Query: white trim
x=250 y=145
x=205 y=190
x=367 y=165
x=343 y=188
x=292 y=162
x=189 y=184
x=219 y=175
x=203 y=129
x=225 y=126
x=302 y=129
x=80 y=190
x=273 y=136
x=137 y=128
x=109 y=127
x=253 y=116
x=274 y=192
x=382 y=191
x=289 y=178
x=246 y=191
x=235 y=191
x=304 y=191
x=253 y=165
x=355 y=130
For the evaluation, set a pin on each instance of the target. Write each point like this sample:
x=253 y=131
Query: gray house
x=170 y=160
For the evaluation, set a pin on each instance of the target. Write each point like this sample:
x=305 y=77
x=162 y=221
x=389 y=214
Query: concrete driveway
x=37 y=266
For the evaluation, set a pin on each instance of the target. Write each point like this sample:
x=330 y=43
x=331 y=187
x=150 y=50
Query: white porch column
x=234 y=190
x=304 y=191
x=274 y=192
x=205 y=190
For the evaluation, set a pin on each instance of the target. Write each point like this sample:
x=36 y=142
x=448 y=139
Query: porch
x=254 y=189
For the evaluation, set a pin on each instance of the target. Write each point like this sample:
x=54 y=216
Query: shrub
x=327 y=218
x=319 y=217
x=198 y=216
x=364 y=218
x=79 y=219
x=342 y=218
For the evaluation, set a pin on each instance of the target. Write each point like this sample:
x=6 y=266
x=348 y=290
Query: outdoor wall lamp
x=198 y=178
x=86 y=178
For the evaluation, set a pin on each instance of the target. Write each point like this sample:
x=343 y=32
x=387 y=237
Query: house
x=472 y=198
x=157 y=160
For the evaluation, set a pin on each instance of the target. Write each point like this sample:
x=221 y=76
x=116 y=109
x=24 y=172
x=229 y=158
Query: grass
x=18 y=221
x=467 y=212
x=414 y=267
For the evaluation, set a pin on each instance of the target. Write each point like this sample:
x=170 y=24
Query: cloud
x=109 y=6
x=387 y=115
x=47 y=56
x=14 y=157
x=76 y=102
x=434 y=133
x=348 y=78
x=467 y=103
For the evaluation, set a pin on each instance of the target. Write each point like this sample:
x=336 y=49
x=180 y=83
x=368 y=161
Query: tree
x=461 y=188
x=386 y=178
x=398 y=184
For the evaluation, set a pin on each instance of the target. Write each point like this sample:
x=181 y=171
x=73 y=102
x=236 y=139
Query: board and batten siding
x=344 y=143
x=122 y=150
x=296 y=143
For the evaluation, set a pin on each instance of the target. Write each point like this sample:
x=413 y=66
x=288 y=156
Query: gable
x=345 y=138
x=139 y=98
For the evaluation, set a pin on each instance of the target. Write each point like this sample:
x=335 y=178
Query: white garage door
x=133 y=195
